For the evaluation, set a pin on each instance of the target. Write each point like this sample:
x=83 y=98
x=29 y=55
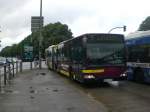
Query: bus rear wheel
x=74 y=77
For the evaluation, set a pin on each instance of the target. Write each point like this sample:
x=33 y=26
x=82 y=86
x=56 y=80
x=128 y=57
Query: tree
x=14 y=50
x=52 y=33
x=6 y=52
x=145 y=25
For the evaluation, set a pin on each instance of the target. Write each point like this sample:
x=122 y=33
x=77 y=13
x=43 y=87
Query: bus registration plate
x=108 y=80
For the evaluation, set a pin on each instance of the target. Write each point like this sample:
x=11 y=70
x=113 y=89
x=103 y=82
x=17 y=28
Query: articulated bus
x=138 y=45
x=89 y=57
x=51 y=56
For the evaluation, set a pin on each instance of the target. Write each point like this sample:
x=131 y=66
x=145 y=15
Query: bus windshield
x=106 y=53
x=112 y=53
x=96 y=51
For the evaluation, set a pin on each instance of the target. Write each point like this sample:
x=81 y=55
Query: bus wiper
x=112 y=54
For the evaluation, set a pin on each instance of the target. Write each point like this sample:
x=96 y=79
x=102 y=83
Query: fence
x=9 y=70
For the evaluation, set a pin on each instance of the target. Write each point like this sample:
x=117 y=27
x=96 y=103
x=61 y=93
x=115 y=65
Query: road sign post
x=36 y=22
x=28 y=53
x=36 y=25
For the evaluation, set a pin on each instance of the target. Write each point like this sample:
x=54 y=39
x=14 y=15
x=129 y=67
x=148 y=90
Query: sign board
x=28 y=53
x=35 y=23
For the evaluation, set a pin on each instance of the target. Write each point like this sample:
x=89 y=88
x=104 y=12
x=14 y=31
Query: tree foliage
x=52 y=33
x=145 y=25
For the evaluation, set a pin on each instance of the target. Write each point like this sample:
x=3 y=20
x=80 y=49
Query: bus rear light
x=89 y=77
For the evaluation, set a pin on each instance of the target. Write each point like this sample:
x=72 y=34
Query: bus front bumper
x=101 y=78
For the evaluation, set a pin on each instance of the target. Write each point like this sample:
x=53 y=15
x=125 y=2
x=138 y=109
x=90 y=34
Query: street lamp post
x=0 y=40
x=40 y=39
x=124 y=28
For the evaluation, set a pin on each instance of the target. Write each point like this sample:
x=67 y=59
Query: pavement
x=45 y=91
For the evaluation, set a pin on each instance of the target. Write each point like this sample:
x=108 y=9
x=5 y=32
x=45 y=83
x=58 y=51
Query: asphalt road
x=47 y=91
x=125 y=97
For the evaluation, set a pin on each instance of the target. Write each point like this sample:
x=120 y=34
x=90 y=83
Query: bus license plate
x=108 y=80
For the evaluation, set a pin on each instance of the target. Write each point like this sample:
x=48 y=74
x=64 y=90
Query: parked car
x=2 y=60
x=11 y=60
x=14 y=60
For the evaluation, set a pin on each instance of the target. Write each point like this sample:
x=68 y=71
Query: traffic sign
x=36 y=21
x=28 y=52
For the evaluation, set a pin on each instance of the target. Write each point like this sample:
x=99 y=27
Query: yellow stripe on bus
x=93 y=71
x=64 y=72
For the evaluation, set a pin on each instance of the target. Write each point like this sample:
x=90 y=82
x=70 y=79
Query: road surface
x=45 y=91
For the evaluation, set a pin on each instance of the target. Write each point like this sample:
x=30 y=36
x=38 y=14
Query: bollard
x=9 y=71
x=13 y=68
x=31 y=65
x=5 y=75
x=16 y=67
x=0 y=82
x=20 y=66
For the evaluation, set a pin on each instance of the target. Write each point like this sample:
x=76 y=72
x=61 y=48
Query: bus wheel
x=71 y=76
x=74 y=77
x=70 y=73
x=139 y=75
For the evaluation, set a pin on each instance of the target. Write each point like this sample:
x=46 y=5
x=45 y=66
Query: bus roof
x=50 y=47
x=86 y=34
x=138 y=38
x=138 y=34
x=99 y=34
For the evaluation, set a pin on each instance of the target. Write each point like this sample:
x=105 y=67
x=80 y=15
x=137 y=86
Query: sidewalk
x=45 y=91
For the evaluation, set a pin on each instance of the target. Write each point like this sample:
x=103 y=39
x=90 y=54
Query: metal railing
x=8 y=71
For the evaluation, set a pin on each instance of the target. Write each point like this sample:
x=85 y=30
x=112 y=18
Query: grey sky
x=81 y=16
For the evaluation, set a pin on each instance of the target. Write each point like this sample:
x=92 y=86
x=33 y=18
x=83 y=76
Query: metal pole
x=9 y=71
x=5 y=74
x=31 y=65
x=13 y=68
x=32 y=51
x=17 y=67
x=40 y=39
x=20 y=66
x=0 y=82
x=124 y=28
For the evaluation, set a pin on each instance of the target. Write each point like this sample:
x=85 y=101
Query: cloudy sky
x=81 y=16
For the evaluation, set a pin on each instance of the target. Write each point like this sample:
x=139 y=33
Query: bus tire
x=71 y=76
x=70 y=73
x=74 y=77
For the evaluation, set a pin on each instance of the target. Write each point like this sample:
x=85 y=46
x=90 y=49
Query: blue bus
x=138 y=50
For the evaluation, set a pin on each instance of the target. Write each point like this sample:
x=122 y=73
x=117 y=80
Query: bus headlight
x=123 y=75
x=89 y=76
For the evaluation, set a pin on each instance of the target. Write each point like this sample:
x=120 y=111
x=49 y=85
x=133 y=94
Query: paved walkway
x=45 y=91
